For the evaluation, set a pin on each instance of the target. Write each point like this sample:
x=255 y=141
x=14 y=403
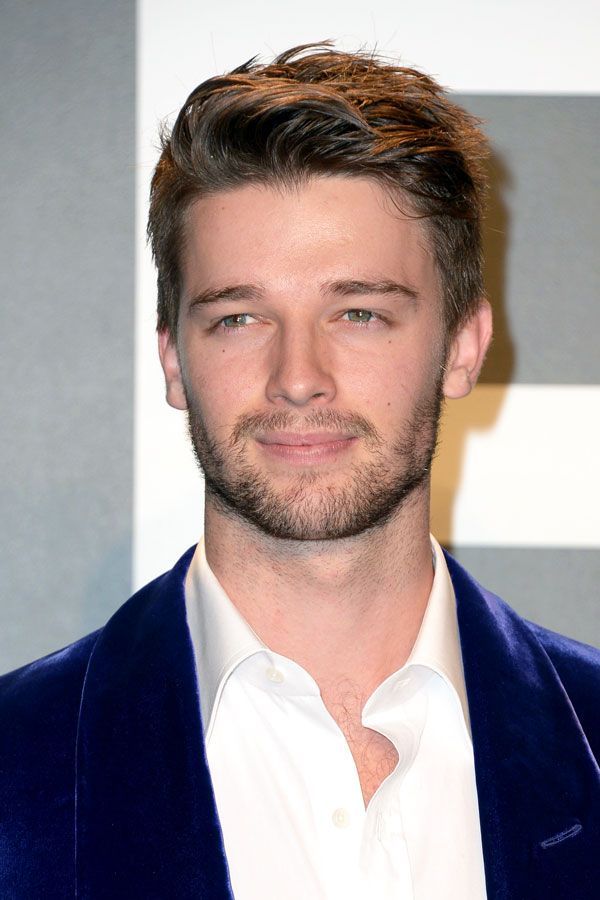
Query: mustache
x=317 y=420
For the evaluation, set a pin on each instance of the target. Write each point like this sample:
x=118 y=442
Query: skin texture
x=306 y=311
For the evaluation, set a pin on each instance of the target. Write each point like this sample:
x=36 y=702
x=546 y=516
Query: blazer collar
x=538 y=783
x=146 y=821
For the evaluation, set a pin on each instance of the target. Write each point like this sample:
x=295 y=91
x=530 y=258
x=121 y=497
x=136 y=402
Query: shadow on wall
x=500 y=362
x=481 y=410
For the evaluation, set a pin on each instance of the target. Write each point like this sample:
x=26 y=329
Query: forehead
x=325 y=228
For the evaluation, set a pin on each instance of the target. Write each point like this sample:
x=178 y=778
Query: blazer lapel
x=146 y=821
x=537 y=781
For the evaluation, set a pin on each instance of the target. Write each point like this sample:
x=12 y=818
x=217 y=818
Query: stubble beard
x=309 y=508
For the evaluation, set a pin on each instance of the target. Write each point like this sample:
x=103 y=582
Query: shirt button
x=274 y=675
x=340 y=818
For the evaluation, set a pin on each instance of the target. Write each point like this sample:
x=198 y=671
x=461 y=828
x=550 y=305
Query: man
x=315 y=702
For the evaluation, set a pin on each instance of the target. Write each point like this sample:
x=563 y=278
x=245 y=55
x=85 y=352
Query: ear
x=169 y=360
x=467 y=352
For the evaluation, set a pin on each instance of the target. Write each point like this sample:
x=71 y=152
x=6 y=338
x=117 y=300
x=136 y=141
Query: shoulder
x=578 y=668
x=530 y=651
x=47 y=685
x=576 y=661
x=573 y=659
x=39 y=710
x=47 y=692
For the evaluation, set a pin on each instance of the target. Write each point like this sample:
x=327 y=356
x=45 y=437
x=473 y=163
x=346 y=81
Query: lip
x=309 y=439
x=309 y=449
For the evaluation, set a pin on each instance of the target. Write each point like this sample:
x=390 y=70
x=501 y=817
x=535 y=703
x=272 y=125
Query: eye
x=234 y=321
x=360 y=316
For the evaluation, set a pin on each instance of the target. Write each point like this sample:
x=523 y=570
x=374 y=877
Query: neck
x=342 y=609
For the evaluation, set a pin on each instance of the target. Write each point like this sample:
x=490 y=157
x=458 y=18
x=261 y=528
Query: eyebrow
x=342 y=288
x=346 y=288
x=232 y=292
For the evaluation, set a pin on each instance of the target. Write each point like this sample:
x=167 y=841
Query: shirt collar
x=220 y=635
x=437 y=646
x=222 y=638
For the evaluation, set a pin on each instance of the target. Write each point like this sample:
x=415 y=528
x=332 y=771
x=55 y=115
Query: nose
x=300 y=371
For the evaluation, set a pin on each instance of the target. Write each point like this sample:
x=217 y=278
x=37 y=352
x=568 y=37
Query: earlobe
x=171 y=366
x=467 y=353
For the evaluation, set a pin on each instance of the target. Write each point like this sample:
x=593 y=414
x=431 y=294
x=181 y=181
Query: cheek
x=382 y=381
x=387 y=390
x=224 y=385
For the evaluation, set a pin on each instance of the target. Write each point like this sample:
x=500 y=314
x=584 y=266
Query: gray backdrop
x=67 y=161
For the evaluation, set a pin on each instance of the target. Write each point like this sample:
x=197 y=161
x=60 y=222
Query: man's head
x=316 y=111
x=316 y=229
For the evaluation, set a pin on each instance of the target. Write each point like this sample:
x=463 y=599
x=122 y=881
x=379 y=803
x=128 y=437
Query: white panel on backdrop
x=518 y=466
x=471 y=46
x=506 y=46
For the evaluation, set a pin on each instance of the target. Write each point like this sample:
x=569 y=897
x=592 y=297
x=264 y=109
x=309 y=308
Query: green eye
x=237 y=320
x=362 y=316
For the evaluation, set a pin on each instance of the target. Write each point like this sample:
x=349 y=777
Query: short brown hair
x=317 y=111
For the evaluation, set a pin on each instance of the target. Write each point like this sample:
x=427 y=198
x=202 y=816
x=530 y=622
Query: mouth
x=308 y=439
x=310 y=447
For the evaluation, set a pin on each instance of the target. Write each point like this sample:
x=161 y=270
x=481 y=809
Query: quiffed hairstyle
x=315 y=111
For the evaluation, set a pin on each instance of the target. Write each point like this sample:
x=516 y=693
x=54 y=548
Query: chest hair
x=374 y=755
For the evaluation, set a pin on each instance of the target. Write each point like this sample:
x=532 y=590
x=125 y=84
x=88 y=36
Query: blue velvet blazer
x=105 y=791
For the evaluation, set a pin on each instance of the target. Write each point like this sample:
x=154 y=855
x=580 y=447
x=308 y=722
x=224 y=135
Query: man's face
x=309 y=355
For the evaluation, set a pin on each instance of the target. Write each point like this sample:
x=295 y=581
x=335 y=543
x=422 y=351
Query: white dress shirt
x=286 y=786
